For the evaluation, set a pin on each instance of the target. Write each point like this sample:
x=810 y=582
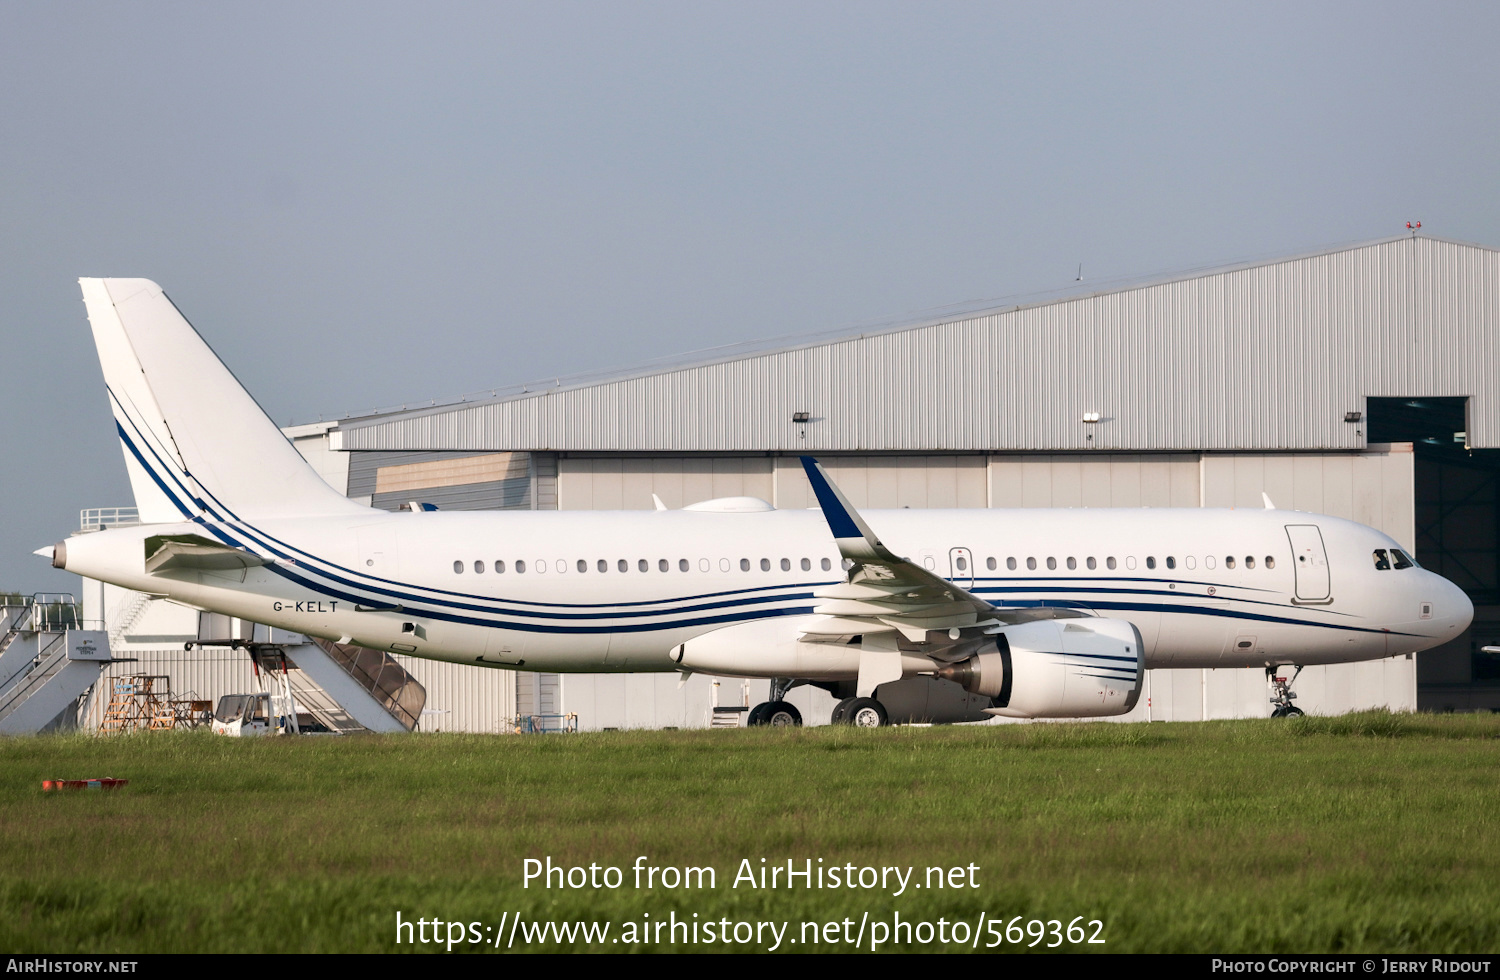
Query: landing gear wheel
x=840 y=712
x=866 y=713
x=1281 y=692
x=757 y=715
x=780 y=714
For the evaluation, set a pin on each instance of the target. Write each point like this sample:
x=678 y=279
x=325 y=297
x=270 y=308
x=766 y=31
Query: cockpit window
x=1401 y=559
x=1382 y=563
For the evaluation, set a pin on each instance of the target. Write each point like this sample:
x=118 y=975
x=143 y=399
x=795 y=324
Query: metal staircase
x=125 y=620
x=46 y=662
x=346 y=688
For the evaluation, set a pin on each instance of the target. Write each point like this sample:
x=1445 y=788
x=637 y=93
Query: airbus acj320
x=938 y=615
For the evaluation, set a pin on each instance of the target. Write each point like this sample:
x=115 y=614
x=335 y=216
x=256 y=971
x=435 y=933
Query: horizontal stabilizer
x=171 y=552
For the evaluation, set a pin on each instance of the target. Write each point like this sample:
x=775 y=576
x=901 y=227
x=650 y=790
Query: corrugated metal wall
x=1266 y=357
x=512 y=490
x=463 y=697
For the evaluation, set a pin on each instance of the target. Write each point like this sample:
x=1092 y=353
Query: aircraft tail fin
x=195 y=442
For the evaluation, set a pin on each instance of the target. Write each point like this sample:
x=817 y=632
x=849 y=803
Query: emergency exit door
x=1310 y=560
x=961 y=567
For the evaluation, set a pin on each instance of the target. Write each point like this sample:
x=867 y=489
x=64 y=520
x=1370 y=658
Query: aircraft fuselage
x=617 y=591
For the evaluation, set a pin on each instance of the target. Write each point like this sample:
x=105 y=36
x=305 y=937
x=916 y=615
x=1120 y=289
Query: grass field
x=1370 y=832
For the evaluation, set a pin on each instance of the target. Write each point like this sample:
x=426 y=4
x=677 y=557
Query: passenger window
x=541 y=566
x=702 y=564
x=622 y=565
x=1031 y=564
x=562 y=566
x=1270 y=561
x=786 y=564
x=603 y=565
x=682 y=564
x=1092 y=564
x=744 y=564
x=1130 y=562
x=1150 y=561
x=499 y=568
x=826 y=564
x=1190 y=562
x=458 y=568
x=765 y=564
x=1400 y=558
x=806 y=565
x=1382 y=563
x=661 y=565
x=1249 y=561
x=643 y=565
x=724 y=565
x=479 y=568
x=1229 y=561
x=930 y=562
x=520 y=567
x=583 y=566
x=991 y=564
x=1072 y=563
x=1052 y=563
x=1010 y=563
x=1171 y=562
x=962 y=564
x=1209 y=562
x=1110 y=563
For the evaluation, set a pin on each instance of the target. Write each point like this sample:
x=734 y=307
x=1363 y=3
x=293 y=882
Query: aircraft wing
x=173 y=552
x=887 y=593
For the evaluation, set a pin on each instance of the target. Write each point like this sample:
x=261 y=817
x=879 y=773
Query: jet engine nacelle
x=1057 y=668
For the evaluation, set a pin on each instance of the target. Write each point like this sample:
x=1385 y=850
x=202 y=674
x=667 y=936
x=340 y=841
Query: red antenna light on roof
x=1413 y=227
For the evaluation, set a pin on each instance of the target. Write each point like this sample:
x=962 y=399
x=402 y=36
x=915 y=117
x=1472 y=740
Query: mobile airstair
x=346 y=688
x=47 y=662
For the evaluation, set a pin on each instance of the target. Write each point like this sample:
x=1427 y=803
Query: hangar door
x=1310 y=560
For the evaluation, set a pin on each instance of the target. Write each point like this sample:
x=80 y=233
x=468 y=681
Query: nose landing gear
x=1282 y=694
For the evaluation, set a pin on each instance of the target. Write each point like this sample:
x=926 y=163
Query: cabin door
x=1311 y=562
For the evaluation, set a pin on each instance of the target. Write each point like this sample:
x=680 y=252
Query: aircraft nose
x=1462 y=607
x=1448 y=612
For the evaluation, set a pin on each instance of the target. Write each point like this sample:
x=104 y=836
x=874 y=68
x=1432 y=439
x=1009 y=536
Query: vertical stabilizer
x=195 y=442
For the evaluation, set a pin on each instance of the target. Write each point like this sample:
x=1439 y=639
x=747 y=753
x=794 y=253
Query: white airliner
x=939 y=615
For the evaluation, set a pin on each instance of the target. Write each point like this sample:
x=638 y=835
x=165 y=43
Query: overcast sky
x=367 y=204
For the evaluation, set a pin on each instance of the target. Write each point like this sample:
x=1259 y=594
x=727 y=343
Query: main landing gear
x=777 y=712
x=1282 y=694
x=861 y=713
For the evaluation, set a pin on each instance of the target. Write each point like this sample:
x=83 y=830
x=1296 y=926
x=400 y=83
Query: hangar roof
x=1258 y=356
